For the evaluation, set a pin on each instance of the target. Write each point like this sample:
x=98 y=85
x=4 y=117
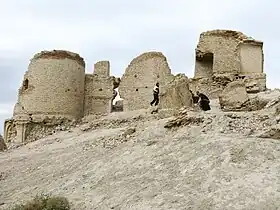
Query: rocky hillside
x=188 y=159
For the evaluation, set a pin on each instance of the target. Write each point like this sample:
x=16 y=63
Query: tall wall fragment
x=99 y=90
x=140 y=77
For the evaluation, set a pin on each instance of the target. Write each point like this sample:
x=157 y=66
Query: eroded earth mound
x=187 y=159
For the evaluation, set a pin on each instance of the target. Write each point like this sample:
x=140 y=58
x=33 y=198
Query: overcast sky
x=119 y=30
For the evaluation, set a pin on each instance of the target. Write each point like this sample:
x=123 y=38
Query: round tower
x=54 y=85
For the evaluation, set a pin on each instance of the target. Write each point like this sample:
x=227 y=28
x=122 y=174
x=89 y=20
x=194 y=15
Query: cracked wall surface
x=136 y=87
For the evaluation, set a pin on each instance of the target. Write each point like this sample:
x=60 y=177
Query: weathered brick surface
x=232 y=52
x=136 y=87
x=55 y=86
x=102 y=68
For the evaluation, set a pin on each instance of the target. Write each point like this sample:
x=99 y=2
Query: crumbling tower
x=52 y=91
x=53 y=85
x=223 y=56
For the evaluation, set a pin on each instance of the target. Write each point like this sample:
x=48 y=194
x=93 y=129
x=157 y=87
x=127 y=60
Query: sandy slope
x=219 y=164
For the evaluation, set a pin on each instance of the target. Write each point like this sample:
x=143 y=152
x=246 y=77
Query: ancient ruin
x=223 y=56
x=140 y=78
x=56 y=92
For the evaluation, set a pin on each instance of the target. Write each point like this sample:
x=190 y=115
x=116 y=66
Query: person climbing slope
x=156 y=95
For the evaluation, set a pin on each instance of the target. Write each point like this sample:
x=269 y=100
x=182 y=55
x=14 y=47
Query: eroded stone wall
x=136 y=87
x=54 y=85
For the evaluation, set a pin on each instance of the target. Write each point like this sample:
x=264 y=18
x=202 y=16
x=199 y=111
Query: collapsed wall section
x=136 y=87
x=176 y=94
x=53 y=85
x=23 y=131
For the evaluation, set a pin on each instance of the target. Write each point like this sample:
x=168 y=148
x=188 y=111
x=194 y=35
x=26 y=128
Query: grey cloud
x=9 y=81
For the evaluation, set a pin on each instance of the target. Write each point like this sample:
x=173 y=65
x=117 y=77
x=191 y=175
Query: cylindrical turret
x=54 y=85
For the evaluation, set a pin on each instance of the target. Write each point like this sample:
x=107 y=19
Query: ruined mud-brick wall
x=23 y=131
x=136 y=87
x=54 y=85
x=223 y=46
x=251 y=56
x=99 y=90
x=176 y=94
x=223 y=56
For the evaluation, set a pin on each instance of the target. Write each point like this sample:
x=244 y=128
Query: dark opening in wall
x=137 y=89
x=206 y=62
x=100 y=89
x=25 y=84
x=146 y=86
x=135 y=75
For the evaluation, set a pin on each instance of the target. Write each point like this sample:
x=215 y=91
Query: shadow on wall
x=204 y=64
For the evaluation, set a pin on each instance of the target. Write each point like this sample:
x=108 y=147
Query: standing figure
x=203 y=101
x=156 y=95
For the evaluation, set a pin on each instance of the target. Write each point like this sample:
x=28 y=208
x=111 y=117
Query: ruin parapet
x=59 y=55
x=225 y=34
x=147 y=56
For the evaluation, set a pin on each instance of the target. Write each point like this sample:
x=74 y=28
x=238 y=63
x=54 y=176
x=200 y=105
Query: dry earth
x=210 y=160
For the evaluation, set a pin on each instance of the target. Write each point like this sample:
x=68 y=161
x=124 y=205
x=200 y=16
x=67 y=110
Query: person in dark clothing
x=203 y=101
x=115 y=93
x=195 y=98
x=156 y=95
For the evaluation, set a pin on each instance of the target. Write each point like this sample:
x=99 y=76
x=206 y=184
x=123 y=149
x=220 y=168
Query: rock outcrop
x=234 y=97
x=176 y=94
